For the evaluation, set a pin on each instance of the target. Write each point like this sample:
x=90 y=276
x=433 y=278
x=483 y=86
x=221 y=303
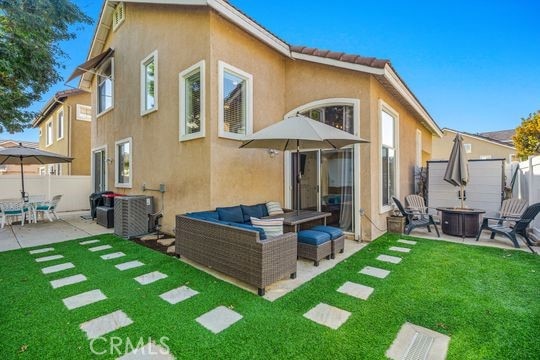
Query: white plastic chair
x=512 y=208
x=13 y=209
x=48 y=208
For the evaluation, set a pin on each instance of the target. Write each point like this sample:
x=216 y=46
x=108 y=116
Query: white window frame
x=49 y=124
x=127 y=185
x=383 y=106
x=60 y=127
x=222 y=68
x=80 y=115
x=99 y=77
x=418 y=148
x=152 y=57
x=198 y=67
x=468 y=148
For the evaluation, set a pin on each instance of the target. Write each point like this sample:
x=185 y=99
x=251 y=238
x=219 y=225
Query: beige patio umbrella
x=300 y=132
x=457 y=170
x=22 y=155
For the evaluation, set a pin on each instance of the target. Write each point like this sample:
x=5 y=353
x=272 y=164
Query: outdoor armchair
x=13 y=209
x=48 y=208
x=414 y=219
x=511 y=232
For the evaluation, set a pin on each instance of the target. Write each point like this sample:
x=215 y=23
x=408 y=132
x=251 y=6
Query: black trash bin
x=96 y=199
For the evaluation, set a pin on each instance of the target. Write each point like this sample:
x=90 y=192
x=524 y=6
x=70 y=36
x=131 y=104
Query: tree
x=30 y=54
x=527 y=137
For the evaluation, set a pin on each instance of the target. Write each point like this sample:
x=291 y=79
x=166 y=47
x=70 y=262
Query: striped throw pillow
x=274 y=208
x=271 y=227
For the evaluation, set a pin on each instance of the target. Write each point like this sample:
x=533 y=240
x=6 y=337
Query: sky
x=474 y=65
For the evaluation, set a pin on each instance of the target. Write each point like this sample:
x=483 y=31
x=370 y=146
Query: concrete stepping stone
x=408 y=242
x=148 y=351
x=40 y=251
x=166 y=242
x=356 y=290
x=68 y=281
x=57 y=268
x=177 y=295
x=218 y=319
x=389 y=259
x=105 y=324
x=328 y=315
x=100 y=248
x=49 y=258
x=112 y=255
x=375 y=272
x=417 y=342
x=150 y=278
x=399 y=249
x=128 y=265
x=88 y=242
x=83 y=299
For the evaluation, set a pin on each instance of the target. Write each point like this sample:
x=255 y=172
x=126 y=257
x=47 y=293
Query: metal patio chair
x=11 y=209
x=48 y=208
x=415 y=219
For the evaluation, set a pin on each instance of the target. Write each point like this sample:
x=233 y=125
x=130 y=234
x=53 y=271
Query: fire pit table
x=460 y=222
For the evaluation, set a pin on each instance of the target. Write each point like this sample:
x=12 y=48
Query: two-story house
x=177 y=84
x=64 y=125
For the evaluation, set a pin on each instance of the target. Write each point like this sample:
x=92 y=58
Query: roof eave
x=480 y=138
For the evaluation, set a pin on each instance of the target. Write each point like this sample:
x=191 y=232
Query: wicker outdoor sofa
x=237 y=251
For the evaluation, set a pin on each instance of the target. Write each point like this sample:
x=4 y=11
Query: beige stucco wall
x=443 y=146
x=76 y=140
x=204 y=173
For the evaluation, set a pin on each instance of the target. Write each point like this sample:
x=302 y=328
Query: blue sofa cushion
x=232 y=214
x=334 y=232
x=262 y=234
x=312 y=237
x=204 y=215
x=264 y=210
x=251 y=211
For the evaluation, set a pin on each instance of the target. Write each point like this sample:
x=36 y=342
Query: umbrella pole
x=22 y=178
x=461 y=195
x=298 y=177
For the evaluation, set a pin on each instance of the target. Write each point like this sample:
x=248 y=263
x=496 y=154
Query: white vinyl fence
x=75 y=190
x=527 y=185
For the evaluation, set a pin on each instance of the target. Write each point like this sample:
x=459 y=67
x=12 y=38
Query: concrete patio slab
x=105 y=324
x=177 y=295
x=328 y=315
x=68 y=281
x=150 y=277
x=83 y=299
x=408 y=242
x=389 y=259
x=41 y=251
x=375 y=272
x=148 y=351
x=219 y=319
x=57 y=268
x=8 y=240
x=399 y=249
x=358 y=291
x=88 y=242
x=417 y=342
x=100 y=248
x=111 y=256
x=49 y=258
x=128 y=265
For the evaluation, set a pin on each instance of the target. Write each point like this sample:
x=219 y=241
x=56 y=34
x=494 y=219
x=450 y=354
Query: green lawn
x=486 y=299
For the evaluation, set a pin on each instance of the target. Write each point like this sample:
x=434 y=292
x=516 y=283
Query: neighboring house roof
x=7 y=143
x=53 y=103
x=482 y=138
x=505 y=136
x=381 y=69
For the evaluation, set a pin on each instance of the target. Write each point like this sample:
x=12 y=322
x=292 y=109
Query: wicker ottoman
x=314 y=245
x=336 y=235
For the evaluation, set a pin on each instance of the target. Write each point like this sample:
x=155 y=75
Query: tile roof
x=482 y=137
x=30 y=144
x=341 y=56
x=501 y=135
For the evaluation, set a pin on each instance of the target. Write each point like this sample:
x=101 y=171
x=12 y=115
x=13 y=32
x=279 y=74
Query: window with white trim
x=236 y=97
x=124 y=165
x=149 y=83
x=49 y=133
x=388 y=155
x=192 y=95
x=105 y=88
x=60 y=125
x=468 y=148
x=84 y=112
